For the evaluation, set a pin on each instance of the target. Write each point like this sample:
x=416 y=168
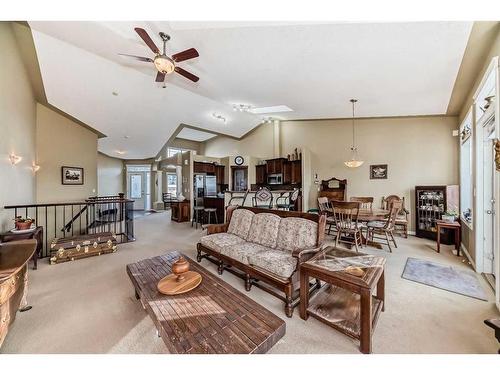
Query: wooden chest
x=72 y=248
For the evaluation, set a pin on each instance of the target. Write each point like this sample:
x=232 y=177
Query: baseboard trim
x=466 y=252
x=412 y=232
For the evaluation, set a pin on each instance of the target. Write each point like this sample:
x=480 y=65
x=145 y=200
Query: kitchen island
x=248 y=200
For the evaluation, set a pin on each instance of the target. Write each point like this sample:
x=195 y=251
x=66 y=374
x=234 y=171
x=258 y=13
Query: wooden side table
x=447 y=225
x=36 y=234
x=346 y=302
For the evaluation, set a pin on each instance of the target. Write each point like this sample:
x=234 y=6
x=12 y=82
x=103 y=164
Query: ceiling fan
x=163 y=63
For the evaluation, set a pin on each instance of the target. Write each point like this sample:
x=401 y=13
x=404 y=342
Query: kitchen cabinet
x=296 y=172
x=260 y=174
x=219 y=174
x=275 y=166
x=201 y=167
x=287 y=173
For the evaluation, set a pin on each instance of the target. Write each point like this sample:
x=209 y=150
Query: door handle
x=490 y=212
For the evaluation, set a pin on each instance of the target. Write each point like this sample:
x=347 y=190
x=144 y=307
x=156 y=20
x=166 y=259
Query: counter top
x=254 y=191
x=14 y=255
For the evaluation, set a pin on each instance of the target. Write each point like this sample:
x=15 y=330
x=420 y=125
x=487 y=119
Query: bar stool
x=209 y=212
x=198 y=209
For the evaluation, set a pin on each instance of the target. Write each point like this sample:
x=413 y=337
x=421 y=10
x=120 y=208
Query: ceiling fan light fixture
x=164 y=64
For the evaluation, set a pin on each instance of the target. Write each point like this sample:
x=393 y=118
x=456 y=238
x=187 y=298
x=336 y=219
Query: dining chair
x=365 y=203
x=325 y=208
x=237 y=198
x=385 y=229
x=263 y=198
x=402 y=218
x=286 y=201
x=346 y=223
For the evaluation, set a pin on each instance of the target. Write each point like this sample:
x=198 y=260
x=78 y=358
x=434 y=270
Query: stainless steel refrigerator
x=204 y=186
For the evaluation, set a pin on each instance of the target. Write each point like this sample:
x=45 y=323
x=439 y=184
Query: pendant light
x=354 y=162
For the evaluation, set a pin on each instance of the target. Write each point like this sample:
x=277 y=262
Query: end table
x=355 y=309
x=36 y=234
x=440 y=224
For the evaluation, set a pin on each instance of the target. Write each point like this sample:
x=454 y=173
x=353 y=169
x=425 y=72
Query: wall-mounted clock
x=238 y=160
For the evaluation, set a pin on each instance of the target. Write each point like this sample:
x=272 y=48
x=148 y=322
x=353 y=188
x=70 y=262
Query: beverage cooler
x=431 y=202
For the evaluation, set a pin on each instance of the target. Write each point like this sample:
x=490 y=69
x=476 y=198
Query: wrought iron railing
x=95 y=215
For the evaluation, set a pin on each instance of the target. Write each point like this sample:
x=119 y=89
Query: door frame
x=147 y=174
x=479 y=198
x=235 y=168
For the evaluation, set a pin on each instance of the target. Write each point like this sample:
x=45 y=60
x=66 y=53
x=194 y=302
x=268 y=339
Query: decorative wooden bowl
x=355 y=271
x=181 y=280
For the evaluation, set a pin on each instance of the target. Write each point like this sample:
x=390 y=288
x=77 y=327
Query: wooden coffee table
x=213 y=318
x=346 y=302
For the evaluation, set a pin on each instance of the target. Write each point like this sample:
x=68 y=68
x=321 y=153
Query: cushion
x=264 y=229
x=218 y=241
x=296 y=233
x=241 y=220
x=240 y=252
x=376 y=224
x=280 y=263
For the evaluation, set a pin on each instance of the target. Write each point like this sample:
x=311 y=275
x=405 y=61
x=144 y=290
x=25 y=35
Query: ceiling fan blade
x=140 y=58
x=186 y=74
x=185 y=55
x=149 y=42
x=160 y=77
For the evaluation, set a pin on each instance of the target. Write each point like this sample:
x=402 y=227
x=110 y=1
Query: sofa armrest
x=305 y=252
x=217 y=228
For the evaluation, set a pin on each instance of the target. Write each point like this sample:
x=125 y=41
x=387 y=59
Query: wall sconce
x=35 y=167
x=15 y=159
x=316 y=179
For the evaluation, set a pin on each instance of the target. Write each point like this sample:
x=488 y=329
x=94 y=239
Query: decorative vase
x=180 y=267
x=23 y=225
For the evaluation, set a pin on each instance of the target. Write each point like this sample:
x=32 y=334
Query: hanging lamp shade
x=354 y=162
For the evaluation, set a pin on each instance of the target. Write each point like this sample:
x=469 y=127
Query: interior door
x=137 y=184
x=488 y=201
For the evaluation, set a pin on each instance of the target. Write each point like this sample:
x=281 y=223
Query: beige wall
x=17 y=128
x=110 y=173
x=468 y=234
x=258 y=143
x=418 y=151
x=61 y=142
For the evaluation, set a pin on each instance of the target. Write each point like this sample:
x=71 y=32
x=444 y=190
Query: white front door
x=136 y=191
x=488 y=209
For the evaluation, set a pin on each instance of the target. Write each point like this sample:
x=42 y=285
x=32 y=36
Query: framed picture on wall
x=71 y=175
x=378 y=172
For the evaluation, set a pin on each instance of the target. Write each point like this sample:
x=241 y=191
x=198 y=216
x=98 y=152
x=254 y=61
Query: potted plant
x=449 y=216
x=23 y=223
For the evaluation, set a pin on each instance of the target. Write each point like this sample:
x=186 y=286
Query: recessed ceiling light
x=126 y=136
x=120 y=152
x=114 y=93
x=219 y=117
x=242 y=107
x=273 y=109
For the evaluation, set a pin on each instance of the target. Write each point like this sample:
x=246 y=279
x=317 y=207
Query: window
x=466 y=187
x=171 y=151
x=172 y=183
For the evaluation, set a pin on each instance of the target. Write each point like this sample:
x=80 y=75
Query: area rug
x=444 y=277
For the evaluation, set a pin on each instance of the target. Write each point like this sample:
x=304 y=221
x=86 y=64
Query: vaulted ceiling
x=393 y=69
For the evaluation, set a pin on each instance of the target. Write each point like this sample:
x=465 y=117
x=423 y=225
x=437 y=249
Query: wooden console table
x=180 y=211
x=14 y=257
x=36 y=234
x=346 y=302
x=448 y=225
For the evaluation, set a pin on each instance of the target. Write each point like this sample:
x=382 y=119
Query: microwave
x=275 y=179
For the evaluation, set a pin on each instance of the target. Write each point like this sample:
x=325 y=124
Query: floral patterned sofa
x=265 y=246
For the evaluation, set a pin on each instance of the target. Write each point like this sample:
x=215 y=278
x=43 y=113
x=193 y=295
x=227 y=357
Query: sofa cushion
x=264 y=229
x=280 y=263
x=296 y=233
x=218 y=241
x=240 y=223
x=242 y=251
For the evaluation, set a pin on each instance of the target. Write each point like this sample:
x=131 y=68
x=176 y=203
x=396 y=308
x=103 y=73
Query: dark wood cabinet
x=201 y=167
x=180 y=211
x=287 y=173
x=275 y=166
x=260 y=174
x=219 y=174
x=296 y=172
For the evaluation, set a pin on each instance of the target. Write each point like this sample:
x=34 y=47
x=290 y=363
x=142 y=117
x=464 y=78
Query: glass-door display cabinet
x=431 y=202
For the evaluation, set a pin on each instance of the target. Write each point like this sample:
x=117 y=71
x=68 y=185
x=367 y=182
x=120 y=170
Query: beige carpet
x=88 y=306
